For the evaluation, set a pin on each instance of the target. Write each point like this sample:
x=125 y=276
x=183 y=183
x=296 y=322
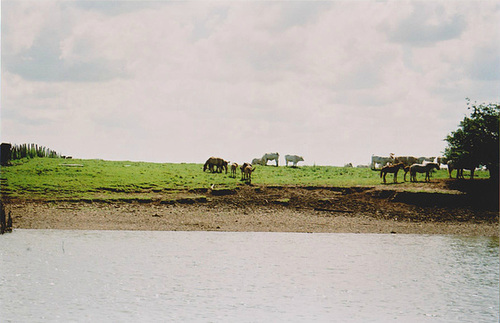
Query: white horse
x=270 y=156
x=294 y=159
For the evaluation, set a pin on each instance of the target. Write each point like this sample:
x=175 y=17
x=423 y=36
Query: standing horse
x=392 y=169
x=460 y=166
x=406 y=169
x=234 y=166
x=419 y=168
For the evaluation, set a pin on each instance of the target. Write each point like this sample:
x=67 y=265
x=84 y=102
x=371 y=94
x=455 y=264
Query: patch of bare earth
x=441 y=207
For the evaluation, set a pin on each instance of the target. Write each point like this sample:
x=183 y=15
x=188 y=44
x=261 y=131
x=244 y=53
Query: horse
x=294 y=159
x=420 y=168
x=270 y=156
x=406 y=169
x=219 y=164
x=234 y=166
x=248 y=173
x=391 y=169
x=242 y=168
x=382 y=161
x=460 y=166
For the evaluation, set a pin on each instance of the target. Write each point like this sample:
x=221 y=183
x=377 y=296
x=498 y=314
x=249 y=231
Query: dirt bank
x=439 y=208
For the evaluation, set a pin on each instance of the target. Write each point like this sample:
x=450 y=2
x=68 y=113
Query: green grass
x=48 y=178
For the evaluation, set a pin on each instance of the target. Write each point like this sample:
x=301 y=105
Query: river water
x=125 y=276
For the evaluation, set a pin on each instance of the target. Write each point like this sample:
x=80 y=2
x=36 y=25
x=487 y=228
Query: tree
x=476 y=141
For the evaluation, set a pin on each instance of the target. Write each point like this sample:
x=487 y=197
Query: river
x=124 y=276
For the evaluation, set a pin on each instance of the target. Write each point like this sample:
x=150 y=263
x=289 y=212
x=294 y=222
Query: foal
x=392 y=169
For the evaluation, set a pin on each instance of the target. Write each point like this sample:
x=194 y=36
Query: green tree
x=476 y=141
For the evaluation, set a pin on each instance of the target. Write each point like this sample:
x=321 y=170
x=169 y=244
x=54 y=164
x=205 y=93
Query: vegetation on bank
x=32 y=151
x=47 y=179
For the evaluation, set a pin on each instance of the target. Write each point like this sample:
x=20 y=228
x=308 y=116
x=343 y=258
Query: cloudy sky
x=181 y=81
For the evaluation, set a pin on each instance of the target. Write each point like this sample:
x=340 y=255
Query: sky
x=179 y=81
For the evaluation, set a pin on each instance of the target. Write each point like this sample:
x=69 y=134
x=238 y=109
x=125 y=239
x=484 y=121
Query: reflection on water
x=212 y=276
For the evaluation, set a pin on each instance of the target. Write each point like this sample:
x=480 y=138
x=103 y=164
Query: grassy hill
x=49 y=178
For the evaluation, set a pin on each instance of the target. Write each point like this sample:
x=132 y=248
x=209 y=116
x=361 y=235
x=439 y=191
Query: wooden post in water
x=5 y=224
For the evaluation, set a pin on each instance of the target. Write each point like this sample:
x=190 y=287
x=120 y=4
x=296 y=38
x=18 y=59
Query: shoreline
x=271 y=209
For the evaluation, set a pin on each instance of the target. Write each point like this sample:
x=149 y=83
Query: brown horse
x=460 y=166
x=215 y=165
x=419 y=168
x=391 y=169
x=246 y=172
x=234 y=166
x=406 y=169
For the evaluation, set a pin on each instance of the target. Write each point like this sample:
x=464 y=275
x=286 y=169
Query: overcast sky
x=164 y=81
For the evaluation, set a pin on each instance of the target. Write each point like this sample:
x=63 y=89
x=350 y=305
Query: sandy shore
x=267 y=210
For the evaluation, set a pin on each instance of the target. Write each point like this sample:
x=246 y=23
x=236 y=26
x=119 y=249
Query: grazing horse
x=270 y=156
x=391 y=169
x=219 y=164
x=420 y=168
x=294 y=159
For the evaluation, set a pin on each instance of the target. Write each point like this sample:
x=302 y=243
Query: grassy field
x=54 y=178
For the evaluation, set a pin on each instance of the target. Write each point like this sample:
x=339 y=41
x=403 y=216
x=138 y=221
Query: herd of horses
x=390 y=165
x=413 y=165
x=219 y=165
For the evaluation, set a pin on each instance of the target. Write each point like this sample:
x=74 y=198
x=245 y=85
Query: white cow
x=293 y=159
x=270 y=156
x=257 y=161
x=382 y=161
x=425 y=160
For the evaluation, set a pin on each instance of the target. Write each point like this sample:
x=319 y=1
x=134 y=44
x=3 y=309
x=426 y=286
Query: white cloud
x=335 y=82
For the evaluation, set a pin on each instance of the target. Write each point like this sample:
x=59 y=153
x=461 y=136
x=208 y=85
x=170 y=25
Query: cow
x=406 y=160
x=425 y=160
x=294 y=159
x=270 y=156
x=382 y=161
x=257 y=161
